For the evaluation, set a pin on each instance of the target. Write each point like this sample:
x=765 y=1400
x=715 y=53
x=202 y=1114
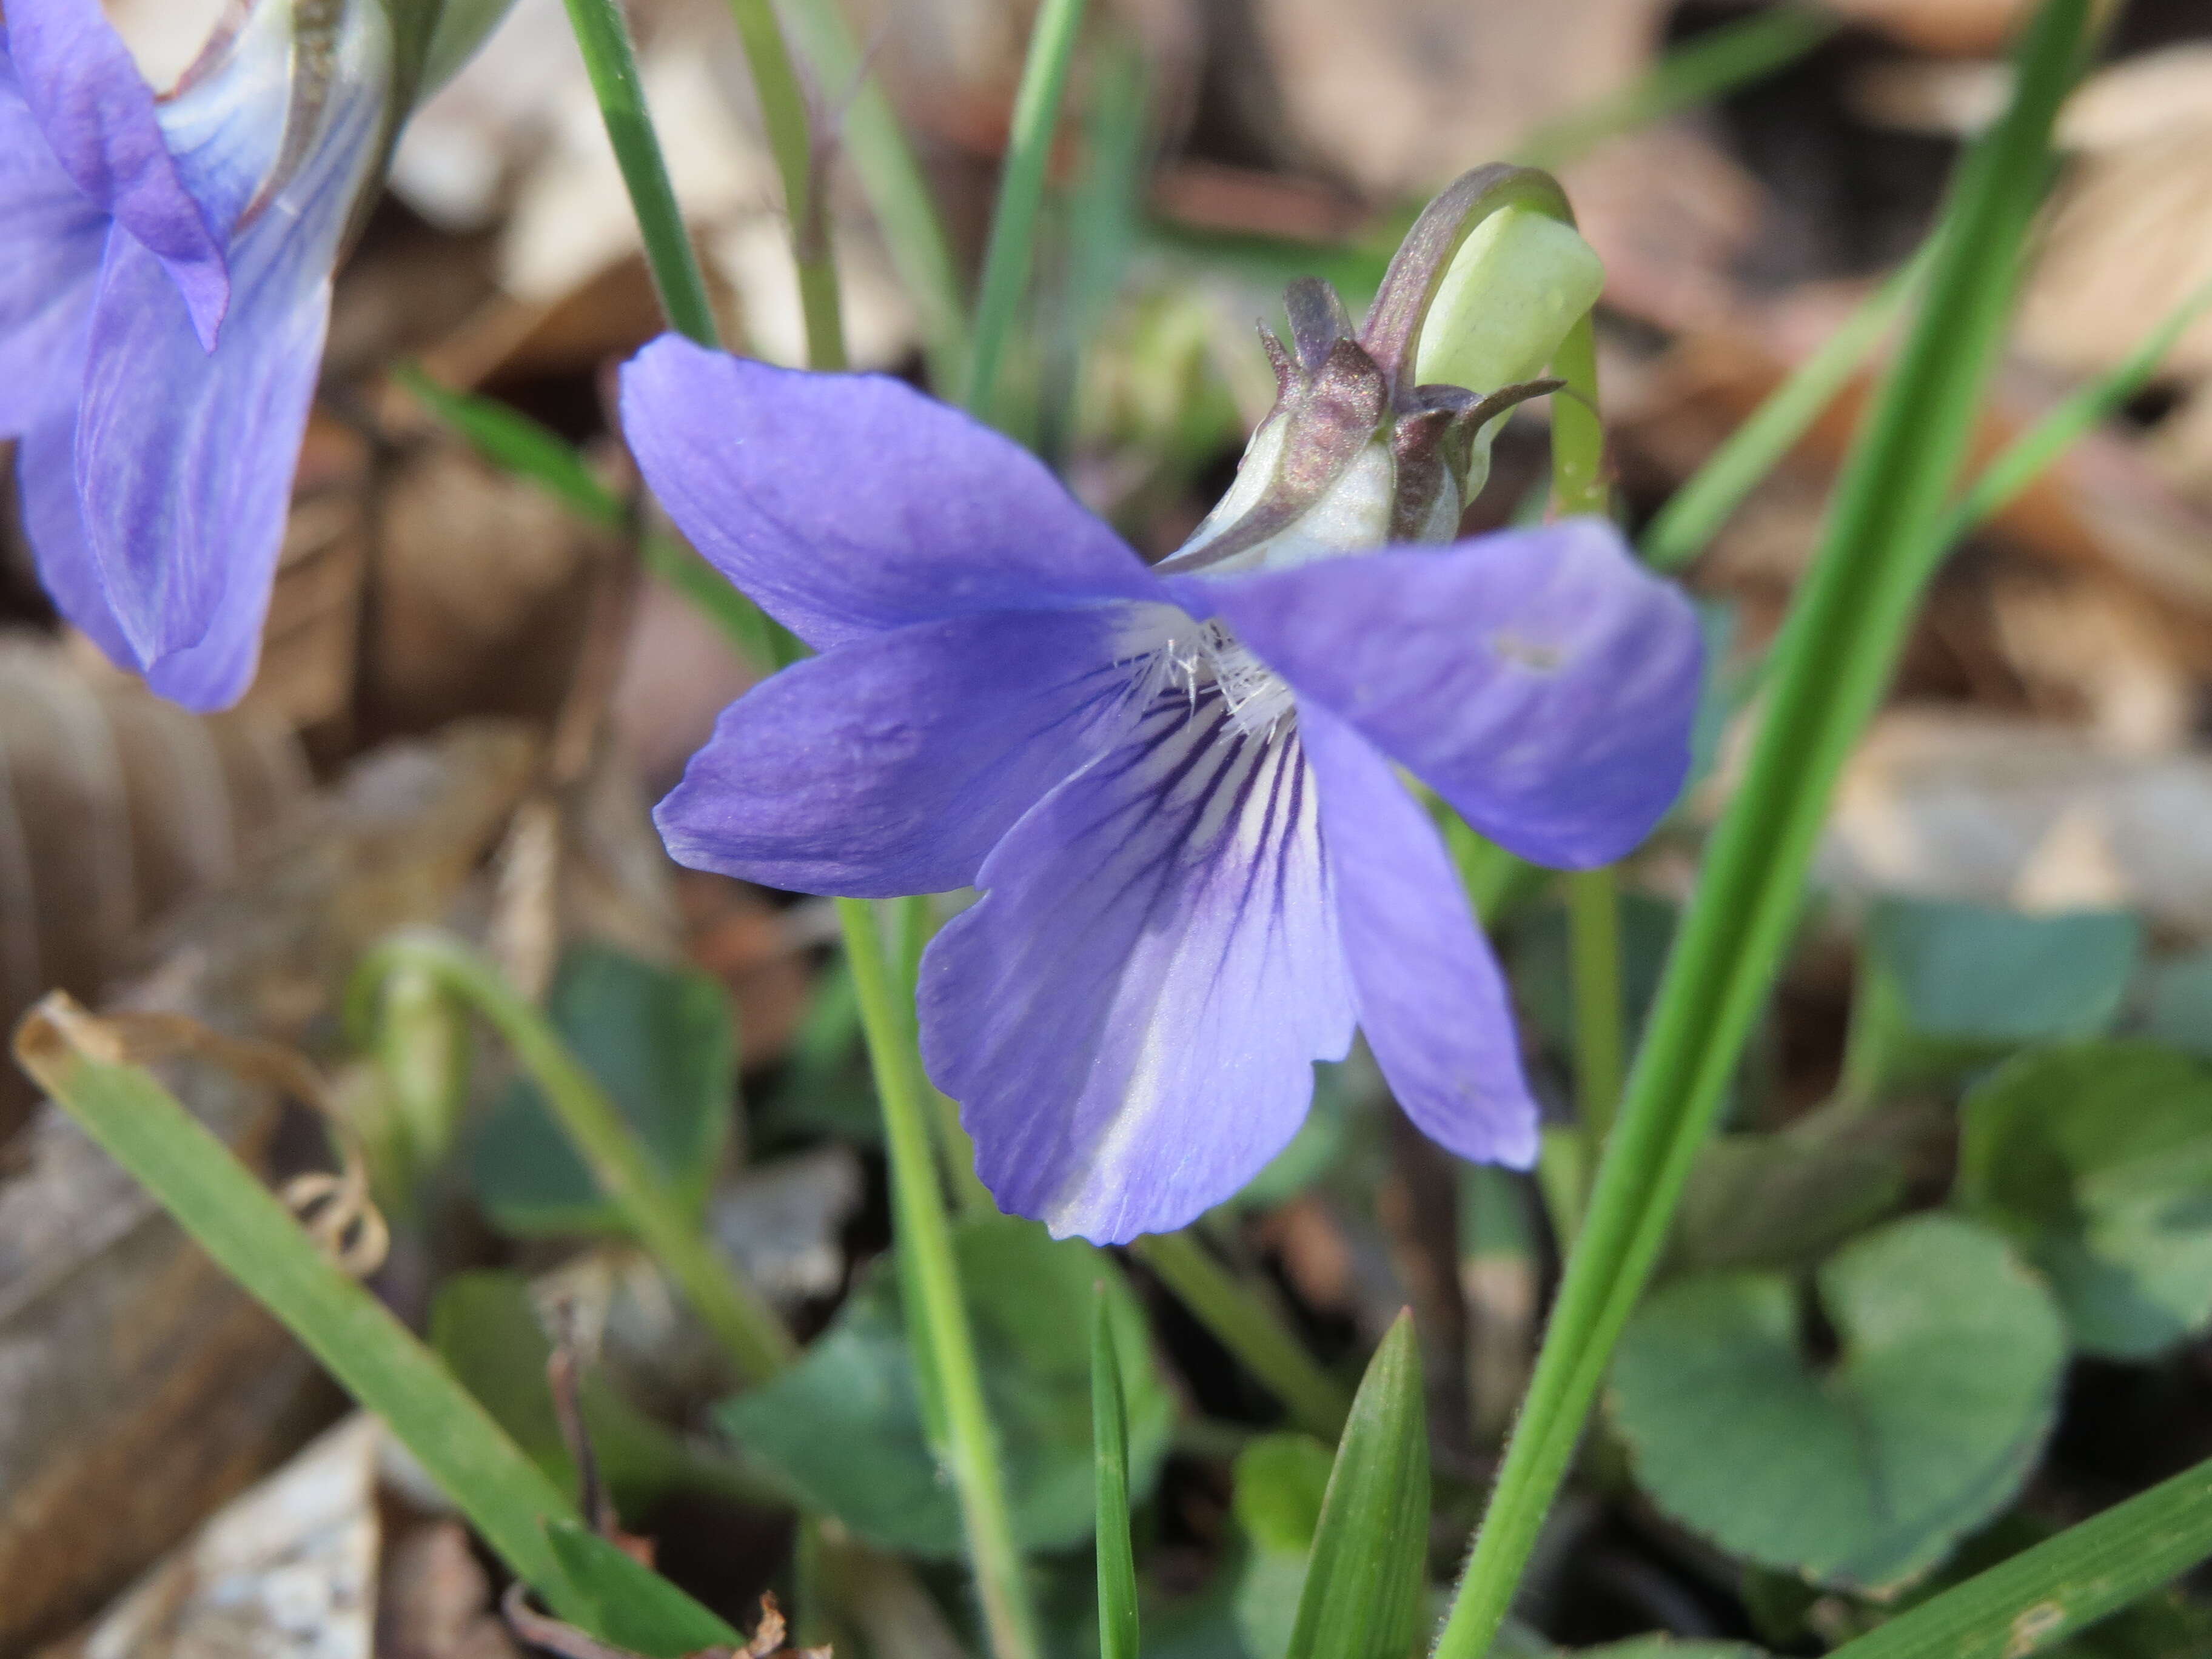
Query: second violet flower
x=1174 y=785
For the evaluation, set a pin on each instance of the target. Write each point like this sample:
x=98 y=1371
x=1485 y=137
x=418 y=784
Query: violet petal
x=847 y=504
x=1542 y=681
x=1431 y=1001
x=895 y=764
x=1129 y=1015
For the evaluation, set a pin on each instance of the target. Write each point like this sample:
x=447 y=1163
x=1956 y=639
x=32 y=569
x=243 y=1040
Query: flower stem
x=1578 y=486
x=1594 y=956
x=1249 y=1328
x=783 y=112
x=1838 y=651
x=746 y=1325
x=604 y=39
x=937 y=1314
x=1021 y=188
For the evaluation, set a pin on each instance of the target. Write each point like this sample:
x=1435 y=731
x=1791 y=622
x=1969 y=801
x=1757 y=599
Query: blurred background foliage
x=1942 y=1286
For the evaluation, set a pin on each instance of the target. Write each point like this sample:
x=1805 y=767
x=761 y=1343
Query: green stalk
x=937 y=1314
x=604 y=39
x=2022 y=460
x=1249 y=1329
x=1021 y=188
x=1578 y=486
x=783 y=112
x=746 y=1325
x=1839 y=649
x=1594 y=962
x=898 y=195
x=2060 y=1586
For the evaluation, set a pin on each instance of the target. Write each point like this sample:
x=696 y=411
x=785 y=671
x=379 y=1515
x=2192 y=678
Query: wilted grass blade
x=254 y=1238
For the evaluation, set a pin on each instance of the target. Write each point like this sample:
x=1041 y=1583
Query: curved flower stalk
x=1174 y=785
x=165 y=288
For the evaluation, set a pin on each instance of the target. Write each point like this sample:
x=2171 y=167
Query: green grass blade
x=1007 y=259
x=1694 y=73
x=254 y=1239
x=2062 y=1585
x=2025 y=458
x=1249 y=1328
x=783 y=114
x=936 y=1309
x=898 y=194
x=604 y=39
x=632 y=1605
x=1835 y=658
x=746 y=1325
x=511 y=440
x=1367 y=1580
x=1110 y=1439
x=1694 y=513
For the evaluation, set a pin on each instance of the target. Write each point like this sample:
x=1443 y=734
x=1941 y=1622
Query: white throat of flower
x=1172 y=655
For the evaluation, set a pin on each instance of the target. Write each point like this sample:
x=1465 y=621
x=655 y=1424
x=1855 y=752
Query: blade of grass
x=898 y=194
x=1007 y=258
x=936 y=1307
x=611 y=62
x=1109 y=1441
x=1838 y=651
x=1694 y=513
x=2022 y=460
x=746 y=1325
x=2062 y=1585
x=1367 y=1577
x=254 y=1239
x=1717 y=62
x=1250 y=1330
x=793 y=144
x=511 y=440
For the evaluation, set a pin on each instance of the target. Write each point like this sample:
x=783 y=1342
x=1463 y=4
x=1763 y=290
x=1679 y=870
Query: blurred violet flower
x=165 y=288
x=1176 y=786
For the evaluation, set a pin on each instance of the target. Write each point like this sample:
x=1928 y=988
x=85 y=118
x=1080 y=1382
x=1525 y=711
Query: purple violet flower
x=165 y=287
x=1176 y=787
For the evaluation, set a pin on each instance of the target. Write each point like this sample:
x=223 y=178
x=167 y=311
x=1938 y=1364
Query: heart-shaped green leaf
x=1945 y=986
x=2098 y=1160
x=843 y=1428
x=1280 y=1481
x=1863 y=1472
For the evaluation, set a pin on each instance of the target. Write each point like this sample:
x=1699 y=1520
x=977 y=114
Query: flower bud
x=1516 y=287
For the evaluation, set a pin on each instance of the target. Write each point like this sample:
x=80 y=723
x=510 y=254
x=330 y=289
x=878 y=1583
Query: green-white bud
x=1382 y=434
x=1517 y=284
